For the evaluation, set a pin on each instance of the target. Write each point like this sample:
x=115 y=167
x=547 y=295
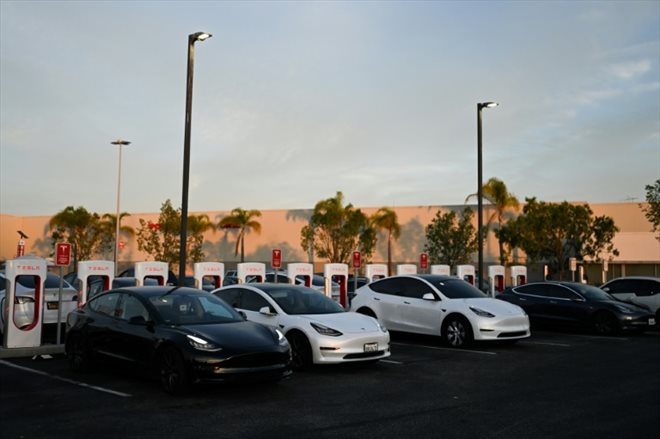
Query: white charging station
x=93 y=269
x=441 y=269
x=300 y=269
x=152 y=270
x=466 y=272
x=496 y=274
x=26 y=332
x=375 y=271
x=213 y=270
x=245 y=269
x=518 y=275
x=337 y=273
x=406 y=269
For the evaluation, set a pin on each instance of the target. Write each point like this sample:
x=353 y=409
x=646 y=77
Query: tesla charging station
x=466 y=272
x=25 y=334
x=152 y=270
x=245 y=269
x=496 y=275
x=300 y=269
x=518 y=275
x=93 y=269
x=406 y=269
x=443 y=270
x=336 y=273
x=214 y=270
x=375 y=271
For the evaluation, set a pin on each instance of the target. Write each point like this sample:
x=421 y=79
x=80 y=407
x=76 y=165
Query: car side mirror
x=243 y=315
x=429 y=296
x=606 y=289
x=267 y=311
x=137 y=320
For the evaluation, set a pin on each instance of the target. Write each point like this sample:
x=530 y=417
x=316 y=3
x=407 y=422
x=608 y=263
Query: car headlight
x=281 y=339
x=382 y=328
x=324 y=330
x=624 y=309
x=201 y=344
x=481 y=312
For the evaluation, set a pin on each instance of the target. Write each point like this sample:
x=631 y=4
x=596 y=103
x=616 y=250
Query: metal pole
x=480 y=237
x=116 y=256
x=59 y=306
x=186 y=161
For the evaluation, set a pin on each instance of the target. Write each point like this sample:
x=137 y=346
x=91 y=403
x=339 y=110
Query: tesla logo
x=99 y=268
x=28 y=267
x=212 y=270
x=154 y=270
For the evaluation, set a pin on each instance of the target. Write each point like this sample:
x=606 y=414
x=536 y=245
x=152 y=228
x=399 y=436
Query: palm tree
x=497 y=194
x=243 y=221
x=81 y=228
x=197 y=226
x=386 y=219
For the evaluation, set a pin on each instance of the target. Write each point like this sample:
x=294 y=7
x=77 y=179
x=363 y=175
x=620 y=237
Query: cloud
x=631 y=70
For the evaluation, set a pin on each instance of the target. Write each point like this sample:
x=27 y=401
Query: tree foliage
x=109 y=225
x=451 y=239
x=79 y=227
x=242 y=221
x=197 y=226
x=652 y=209
x=554 y=232
x=387 y=220
x=335 y=231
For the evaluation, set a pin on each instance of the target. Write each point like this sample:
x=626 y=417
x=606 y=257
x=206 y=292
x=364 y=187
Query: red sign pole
x=424 y=261
x=276 y=261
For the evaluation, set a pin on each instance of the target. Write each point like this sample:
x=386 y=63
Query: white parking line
x=563 y=345
x=66 y=380
x=445 y=349
x=391 y=361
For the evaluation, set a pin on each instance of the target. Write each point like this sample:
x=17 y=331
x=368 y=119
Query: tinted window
x=639 y=287
x=390 y=285
x=413 y=288
x=131 y=307
x=592 y=293
x=105 y=304
x=252 y=301
x=232 y=296
x=542 y=290
x=559 y=292
x=52 y=281
x=458 y=289
x=193 y=309
x=303 y=300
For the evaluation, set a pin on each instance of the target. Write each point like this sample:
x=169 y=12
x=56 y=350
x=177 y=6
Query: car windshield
x=592 y=293
x=455 y=288
x=303 y=300
x=193 y=309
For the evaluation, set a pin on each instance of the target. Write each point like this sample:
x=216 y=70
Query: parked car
x=318 y=329
x=577 y=305
x=24 y=311
x=640 y=290
x=172 y=278
x=184 y=334
x=440 y=305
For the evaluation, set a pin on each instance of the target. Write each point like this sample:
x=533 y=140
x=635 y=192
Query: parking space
x=550 y=385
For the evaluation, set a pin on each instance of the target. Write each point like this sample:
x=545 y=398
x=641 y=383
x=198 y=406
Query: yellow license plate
x=51 y=305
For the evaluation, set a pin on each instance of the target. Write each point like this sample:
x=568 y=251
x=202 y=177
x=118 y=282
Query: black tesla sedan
x=183 y=334
x=577 y=305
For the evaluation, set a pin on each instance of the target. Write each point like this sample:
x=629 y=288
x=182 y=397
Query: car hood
x=346 y=322
x=236 y=336
x=494 y=306
x=632 y=307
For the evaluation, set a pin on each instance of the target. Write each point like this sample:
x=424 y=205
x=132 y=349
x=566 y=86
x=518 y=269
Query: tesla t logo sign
x=424 y=260
x=356 y=260
x=277 y=258
x=63 y=255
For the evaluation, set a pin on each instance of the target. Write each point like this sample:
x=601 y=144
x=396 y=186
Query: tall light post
x=480 y=207
x=119 y=143
x=192 y=38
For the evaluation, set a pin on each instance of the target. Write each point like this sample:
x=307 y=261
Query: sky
x=294 y=101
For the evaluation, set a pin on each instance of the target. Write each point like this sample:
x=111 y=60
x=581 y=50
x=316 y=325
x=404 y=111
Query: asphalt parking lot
x=553 y=385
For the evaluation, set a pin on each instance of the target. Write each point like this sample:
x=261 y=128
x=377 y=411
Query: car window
x=561 y=292
x=131 y=307
x=105 y=304
x=390 y=285
x=413 y=288
x=232 y=296
x=252 y=301
x=52 y=281
x=193 y=309
x=619 y=286
x=541 y=290
x=303 y=300
x=458 y=289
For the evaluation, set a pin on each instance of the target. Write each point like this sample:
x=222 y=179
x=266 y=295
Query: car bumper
x=351 y=348
x=505 y=328
x=250 y=367
x=637 y=322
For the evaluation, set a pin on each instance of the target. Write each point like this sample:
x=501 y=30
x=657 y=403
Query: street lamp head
x=120 y=142
x=487 y=104
x=200 y=36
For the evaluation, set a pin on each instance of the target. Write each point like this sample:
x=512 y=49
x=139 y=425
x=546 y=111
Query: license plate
x=651 y=321
x=51 y=305
x=370 y=347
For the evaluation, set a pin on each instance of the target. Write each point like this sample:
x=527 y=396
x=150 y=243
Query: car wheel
x=301 y=351
x=367 y=312
x=78 y=354
x=457 y=331
x=173 y=374
x=605 y=323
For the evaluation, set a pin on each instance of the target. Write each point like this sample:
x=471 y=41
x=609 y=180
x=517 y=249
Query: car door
x=417 y=314
x=387 y=303
x=645 y=292
x=565 y=307
x=531 y=298
x=251 y=302
x=101 y=326
x=133 y=332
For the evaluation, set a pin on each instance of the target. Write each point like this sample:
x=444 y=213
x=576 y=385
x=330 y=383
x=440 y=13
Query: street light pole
x=119 y=143
x=192 y=38
x=480 y=207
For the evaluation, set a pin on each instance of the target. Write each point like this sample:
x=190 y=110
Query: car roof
x=160 y=290
x=657 y=279
x=271 y=286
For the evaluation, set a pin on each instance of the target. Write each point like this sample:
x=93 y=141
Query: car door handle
x=522 y=299
x=407 y=303
x=376 y=298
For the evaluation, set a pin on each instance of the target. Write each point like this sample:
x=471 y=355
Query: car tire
x=78 y=354
x=173 y=374
x=301 y=351
x=367 y=312
x=457 y=331
x=605 y=323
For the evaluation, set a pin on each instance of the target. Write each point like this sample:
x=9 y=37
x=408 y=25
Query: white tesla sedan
x=440 y=305
x=318 y=329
